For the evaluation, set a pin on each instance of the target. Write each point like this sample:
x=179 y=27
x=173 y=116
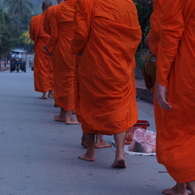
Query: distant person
x=174 y=94
x=59 y=46
x=42 y=80
x=106 y=37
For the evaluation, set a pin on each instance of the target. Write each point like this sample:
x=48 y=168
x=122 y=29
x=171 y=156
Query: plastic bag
x=143 y=141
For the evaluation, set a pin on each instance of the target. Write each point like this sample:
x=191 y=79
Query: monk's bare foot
x=43 y=97
x=83 y=144
x=119 y=163
x=178 y=189
x=87 y=157
x=102 y=144
x=50 y=95
x=71 y=122
x=59 y=118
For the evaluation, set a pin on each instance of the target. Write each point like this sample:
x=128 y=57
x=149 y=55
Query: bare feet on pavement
x=119 y=163
x=71 y=122
x=50 y=94
x=102 y=144
x=178 y=189
x=87 y=157
x=59 y=118
x=42 y=97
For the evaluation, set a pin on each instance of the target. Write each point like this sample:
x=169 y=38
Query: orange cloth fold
x=47 y=29
x=107 y=34
x=42 y=81
x=59 y=44
x=176 y=71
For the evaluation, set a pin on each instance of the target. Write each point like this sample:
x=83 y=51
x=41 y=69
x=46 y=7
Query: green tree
x=27 y=42
x=19 y=10
x=7 y=37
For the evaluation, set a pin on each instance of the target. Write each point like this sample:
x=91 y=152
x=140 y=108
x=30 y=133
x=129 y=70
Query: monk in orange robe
x=106 y=39
x=174 y=93
x=47 y=29
x=42 y=81
x=61 y=24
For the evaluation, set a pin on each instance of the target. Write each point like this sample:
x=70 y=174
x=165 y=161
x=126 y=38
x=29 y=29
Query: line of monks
x=60 y=36
x=54 y=62
x=84 y=52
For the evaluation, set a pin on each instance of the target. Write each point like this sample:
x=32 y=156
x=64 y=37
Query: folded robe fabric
x=46 y=21
x=59 y=44
x=47 y=29
x=107 y=33
x=42 y=81
x=176 y=71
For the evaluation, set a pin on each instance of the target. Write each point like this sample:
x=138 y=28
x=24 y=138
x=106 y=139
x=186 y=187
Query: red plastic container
x=139 y=124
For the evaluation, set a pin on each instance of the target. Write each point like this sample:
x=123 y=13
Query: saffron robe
x=46 y=21
x=42 y=81
x=107 y=33
x=176 y=71
x=59 y=44
x=47 y=29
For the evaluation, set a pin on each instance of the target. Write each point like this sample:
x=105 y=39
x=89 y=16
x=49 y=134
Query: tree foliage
x=19 y=11
x=144 y=8
x=7 y=37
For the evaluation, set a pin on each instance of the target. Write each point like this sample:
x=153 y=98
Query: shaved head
x=46 y=4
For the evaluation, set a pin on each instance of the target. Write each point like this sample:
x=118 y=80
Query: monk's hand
x=45 y=48
x=161 y=95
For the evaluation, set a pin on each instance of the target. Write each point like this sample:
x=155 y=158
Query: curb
x=144 y=94
x=3 y=68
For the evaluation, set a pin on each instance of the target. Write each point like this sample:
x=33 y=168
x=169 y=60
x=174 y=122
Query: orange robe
x=47 y=29
x=59 y=45
x=176 y=71
x=42 y=80
x=107 y=34
x=46 y=21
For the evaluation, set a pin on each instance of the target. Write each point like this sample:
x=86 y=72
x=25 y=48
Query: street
x=39 y=156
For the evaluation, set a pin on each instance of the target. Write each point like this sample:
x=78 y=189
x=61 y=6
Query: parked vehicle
x=17 y=60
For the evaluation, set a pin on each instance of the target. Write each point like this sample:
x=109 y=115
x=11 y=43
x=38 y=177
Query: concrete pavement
x=39 y=156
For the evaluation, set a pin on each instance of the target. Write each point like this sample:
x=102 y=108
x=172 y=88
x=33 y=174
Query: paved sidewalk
x=3 y=68
x=39 y=156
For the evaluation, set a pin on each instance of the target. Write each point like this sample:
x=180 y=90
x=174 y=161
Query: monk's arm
x=171 y=30
x=82 y=19
x=54 y=33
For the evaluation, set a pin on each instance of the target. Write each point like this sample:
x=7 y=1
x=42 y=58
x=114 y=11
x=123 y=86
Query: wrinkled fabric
x=42 y=81
x=61 y=23
x=46 y=21
x=176 y=71
x=47 y=29
x=107 y=33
